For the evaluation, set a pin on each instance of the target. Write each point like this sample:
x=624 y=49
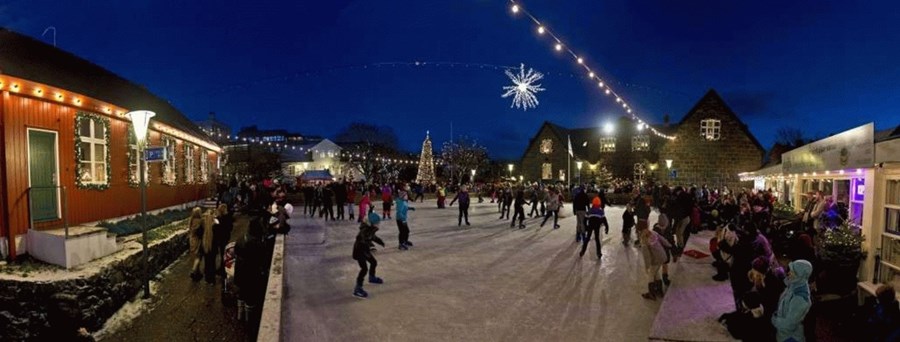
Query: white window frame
x=92 y=161
x=547 y=171
x=607 y=144
x=189 y=163
x=711 y=129
x=170 y=169
x=133 y=162
x=204 y=166
x=640 y=142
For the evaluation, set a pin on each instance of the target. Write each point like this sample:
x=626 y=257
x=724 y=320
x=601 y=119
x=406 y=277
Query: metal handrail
x=65 y=207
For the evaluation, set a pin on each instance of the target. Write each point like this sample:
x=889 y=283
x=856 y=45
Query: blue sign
x=673 y=173
x=155 y=154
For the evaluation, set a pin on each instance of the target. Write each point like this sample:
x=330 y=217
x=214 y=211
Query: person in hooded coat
x=794 y=303
x=222 y=234
x=580 y=205
x=363 y=254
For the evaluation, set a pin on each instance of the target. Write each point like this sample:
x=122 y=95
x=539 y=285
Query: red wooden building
x=68 y=152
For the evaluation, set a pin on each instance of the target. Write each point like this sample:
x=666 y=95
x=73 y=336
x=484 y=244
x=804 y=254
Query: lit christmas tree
x=426 y=162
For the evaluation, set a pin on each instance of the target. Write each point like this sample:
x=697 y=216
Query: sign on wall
x=155 y=154
x=851 y=149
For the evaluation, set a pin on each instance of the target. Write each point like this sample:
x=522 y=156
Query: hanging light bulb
x=540 y=30
x=580 y=60
x=515 y=8
x=558 y=47
x=591 y=75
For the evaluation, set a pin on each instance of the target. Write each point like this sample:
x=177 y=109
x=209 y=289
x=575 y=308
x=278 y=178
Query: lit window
x=640 y=143
x=204 y=166
x=639 y=171
x=133 y=161
x=188 y=163
x=169 y=176
x=547 y=146
x=711 y=129
x=546 y=171
x=92 y=145
x=608 y=144
x=562 y=175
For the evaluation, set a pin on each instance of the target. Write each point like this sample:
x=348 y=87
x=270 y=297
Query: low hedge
x=133 y=225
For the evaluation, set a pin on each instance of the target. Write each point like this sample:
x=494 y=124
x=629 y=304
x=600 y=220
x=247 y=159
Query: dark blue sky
x=820 y=66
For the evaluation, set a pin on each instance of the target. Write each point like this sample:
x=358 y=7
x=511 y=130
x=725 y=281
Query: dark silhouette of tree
x=790 y=136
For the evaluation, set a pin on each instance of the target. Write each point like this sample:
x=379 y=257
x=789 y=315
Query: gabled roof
x=298 y=154
x=579 y=136
x=24 y=57
x=887 y=134
x=712 y=95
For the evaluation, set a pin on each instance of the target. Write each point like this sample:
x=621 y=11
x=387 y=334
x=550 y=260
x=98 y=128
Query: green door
x=42 y=175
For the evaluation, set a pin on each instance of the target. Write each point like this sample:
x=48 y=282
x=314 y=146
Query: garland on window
x=204 y=166
x=79 y=169
x=170 y=160
x=187 y=166
x=133 y=177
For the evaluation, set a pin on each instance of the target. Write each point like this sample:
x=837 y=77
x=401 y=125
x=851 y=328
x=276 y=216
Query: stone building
x=712 y=147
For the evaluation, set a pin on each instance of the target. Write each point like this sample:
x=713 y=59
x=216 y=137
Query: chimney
x=666 y=120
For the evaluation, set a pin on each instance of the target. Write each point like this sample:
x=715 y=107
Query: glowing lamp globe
x=140 y=120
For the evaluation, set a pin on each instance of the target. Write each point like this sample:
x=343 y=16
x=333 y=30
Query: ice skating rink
x=484 y=282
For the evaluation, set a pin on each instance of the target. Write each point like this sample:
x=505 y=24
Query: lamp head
x=668 y=163
x=140 y=120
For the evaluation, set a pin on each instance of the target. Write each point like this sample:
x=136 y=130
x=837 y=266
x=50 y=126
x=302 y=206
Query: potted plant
x=840 y=252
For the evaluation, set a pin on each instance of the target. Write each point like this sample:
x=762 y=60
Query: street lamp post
x=473 y=177
x=669 y=167
x=578 y=165
x=510 y=167
x=140 y=120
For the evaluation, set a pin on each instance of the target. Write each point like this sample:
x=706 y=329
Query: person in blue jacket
x=402 y=223
x=794 y=303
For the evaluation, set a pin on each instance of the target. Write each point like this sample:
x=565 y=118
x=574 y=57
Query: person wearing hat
x=595 y=218
x=794 y=303
x=664 y=229
x=363 y=255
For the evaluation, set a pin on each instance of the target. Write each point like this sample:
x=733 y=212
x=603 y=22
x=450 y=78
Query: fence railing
x=62 y=197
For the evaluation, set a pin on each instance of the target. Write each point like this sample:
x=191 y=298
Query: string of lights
x=286 y=146
x=560 y=47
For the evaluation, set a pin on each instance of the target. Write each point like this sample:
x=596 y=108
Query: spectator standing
x=794 y=303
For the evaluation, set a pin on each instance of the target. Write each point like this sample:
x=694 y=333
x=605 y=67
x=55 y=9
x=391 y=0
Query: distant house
x=217 y=130
x=712 y=146
x=322 y=156
x=69 y=156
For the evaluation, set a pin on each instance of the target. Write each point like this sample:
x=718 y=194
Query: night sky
x=315 y=66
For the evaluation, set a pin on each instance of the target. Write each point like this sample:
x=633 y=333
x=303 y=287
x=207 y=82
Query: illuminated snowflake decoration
x=524 y=88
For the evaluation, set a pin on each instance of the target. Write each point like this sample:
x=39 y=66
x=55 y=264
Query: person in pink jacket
x=364 y=204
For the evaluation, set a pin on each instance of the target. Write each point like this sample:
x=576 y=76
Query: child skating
x=519 y=205
x=363 y=255
x=595 y=218
x=402 y=224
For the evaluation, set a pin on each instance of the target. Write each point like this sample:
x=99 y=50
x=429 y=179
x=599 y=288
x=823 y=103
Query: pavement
x=184 y=310
x=484 y=282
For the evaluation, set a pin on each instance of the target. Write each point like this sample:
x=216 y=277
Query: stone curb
x=270 y=322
